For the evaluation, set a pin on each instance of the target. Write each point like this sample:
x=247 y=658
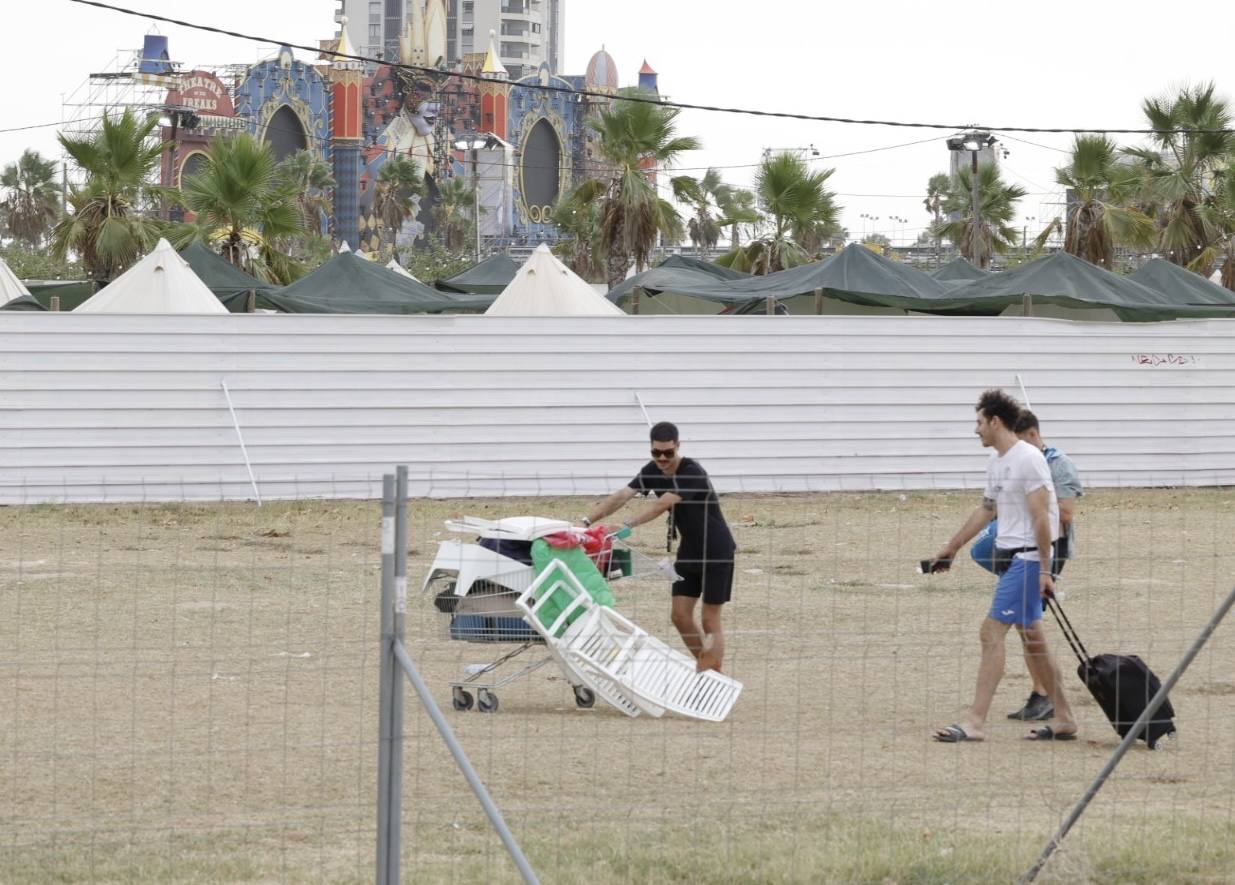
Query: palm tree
x=991 y=231
x=1098 y=219
x=453 y=214
x=578 y=217
x=31 y=198
x=246 y=208
x=107 y=227
x=802 y=213
x=399 y=180
x=635 y=137
x=703 y=227
x=737 y=207
x=936 y=189
x=313 y=180
x=1221 y=213
x=1194 y=145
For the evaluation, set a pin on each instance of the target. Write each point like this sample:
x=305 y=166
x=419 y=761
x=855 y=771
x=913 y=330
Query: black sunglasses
x=664 y=453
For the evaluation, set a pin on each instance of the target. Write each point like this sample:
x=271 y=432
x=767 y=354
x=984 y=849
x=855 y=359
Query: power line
x=635 y=98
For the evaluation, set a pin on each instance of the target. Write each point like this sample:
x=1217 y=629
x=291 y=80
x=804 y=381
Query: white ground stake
x=243 y=451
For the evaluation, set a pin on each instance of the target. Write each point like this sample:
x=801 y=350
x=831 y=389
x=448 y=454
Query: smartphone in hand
x=930 y=566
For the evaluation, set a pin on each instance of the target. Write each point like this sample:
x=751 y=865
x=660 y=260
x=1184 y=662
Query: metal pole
x=976 y=247
x=476 y=195
x=240 y=436
x=385 y=691
x=395 y=818
x=469 y=773
x=1130 y=737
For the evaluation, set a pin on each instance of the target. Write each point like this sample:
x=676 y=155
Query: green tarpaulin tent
x=959 y=269
x=231 y=284
x=663 y=280
x=23 y=302
x=71 y=294
x=1181 y=285
x=1065 y=281
x=348 y=283
x=489 y=277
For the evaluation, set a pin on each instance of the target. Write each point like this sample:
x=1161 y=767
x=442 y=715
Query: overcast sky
x=1046 y=64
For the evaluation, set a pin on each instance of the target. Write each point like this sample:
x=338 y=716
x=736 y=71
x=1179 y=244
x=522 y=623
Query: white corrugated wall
x=132 y=407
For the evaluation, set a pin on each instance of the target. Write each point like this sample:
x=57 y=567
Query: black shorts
x=711 y=580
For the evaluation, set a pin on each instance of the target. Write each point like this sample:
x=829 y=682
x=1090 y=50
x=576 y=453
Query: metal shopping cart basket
x=474 y=584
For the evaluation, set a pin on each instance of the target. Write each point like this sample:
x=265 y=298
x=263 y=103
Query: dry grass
x=188 y=693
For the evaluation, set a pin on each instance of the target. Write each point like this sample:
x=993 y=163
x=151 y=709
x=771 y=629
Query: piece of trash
x=217 y=676
x=289 y=654
x=903 y=498
x=471 y=669
x=753 y=571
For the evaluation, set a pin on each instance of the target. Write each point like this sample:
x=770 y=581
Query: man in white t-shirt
x=1020 y=491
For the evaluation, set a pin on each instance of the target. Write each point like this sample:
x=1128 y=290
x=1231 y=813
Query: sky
x=1049 y=64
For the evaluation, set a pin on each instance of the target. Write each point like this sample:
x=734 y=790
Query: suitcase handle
x=1069 y=632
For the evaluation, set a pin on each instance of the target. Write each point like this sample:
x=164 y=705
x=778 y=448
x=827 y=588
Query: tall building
x=529 y=32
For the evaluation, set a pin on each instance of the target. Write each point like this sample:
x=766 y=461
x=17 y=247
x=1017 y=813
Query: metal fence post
x=386 y=742
x=399 y=617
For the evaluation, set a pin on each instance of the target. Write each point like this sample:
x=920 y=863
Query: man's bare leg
x=713 y=654
x=1046 y=671
x=992 y=636
x=1038 y=688
x=683 y=616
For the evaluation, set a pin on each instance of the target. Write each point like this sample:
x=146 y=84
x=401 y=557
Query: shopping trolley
x=475 y=584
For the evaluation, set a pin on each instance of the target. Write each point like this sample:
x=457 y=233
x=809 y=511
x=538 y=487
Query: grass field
x=188 y=693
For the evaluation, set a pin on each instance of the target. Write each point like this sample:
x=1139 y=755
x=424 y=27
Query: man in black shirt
x=705 y=555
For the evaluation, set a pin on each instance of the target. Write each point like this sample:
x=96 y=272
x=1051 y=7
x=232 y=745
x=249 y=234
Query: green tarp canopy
x=1181 y=285
x=348 y=283
x=229 y=283
x=489 y=277
x=674 y=272
x=71 y=294
x=959 y=270
x=23 y=302
x=1067 y=281
x=863 y=280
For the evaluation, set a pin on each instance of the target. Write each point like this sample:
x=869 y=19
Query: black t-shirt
x=705 y=534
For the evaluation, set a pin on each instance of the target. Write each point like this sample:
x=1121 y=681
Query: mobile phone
x=930 y=566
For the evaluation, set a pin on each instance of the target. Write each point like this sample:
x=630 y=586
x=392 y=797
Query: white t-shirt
x=1009 y=478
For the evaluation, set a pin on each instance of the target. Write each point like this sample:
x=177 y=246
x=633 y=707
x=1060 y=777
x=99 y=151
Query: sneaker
x=1037 y=708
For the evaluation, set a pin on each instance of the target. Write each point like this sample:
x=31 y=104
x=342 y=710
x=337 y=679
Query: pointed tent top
x=162 y=282
x=1182 y=285
x=959 y=269
x=544 y=286
x=400 y=269
x=11 y=288
x=647 y=68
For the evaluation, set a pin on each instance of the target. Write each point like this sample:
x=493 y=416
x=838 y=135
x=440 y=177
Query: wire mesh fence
x=190 y=692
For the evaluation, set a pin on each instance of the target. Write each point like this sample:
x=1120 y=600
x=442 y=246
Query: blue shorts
x=1018 y=598
x=983 y=549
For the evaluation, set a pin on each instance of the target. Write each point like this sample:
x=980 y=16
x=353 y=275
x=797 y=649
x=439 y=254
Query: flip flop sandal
x=1046 y=733
x=955 y=734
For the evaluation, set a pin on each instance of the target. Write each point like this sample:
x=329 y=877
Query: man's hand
x=942 y=561
x=1046 y=584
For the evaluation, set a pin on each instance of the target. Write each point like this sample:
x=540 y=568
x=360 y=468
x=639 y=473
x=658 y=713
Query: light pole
x=474 y=141
x=1025 y=236
x=973 y=141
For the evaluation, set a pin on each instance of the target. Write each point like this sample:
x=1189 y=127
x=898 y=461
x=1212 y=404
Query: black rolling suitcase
x=1121 y=684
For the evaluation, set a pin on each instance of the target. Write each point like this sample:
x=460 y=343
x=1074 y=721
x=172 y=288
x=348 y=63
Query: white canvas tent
x=546 y=287
x=400 y=269
x=11 y=288
x=162 y=282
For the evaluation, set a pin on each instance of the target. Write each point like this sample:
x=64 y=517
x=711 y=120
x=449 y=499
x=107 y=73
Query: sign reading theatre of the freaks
x=204 y=93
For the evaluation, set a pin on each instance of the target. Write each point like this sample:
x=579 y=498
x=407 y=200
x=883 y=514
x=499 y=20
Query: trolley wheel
x=584 y=697
x=486 y=701
x=461 y=699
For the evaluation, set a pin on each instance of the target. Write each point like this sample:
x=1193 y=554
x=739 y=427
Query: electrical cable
x=458 y=75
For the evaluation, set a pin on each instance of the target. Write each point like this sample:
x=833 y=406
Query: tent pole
x=771 y=305
x=250 y=303
x=55 y=303
x=819 y=302
x=634 y=300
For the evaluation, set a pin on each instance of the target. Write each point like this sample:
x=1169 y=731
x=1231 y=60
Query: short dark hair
x=1026 y=421
x=994 y=403
x=664 y=431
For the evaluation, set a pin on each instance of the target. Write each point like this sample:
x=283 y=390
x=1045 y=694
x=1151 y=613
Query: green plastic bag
x=579 y=565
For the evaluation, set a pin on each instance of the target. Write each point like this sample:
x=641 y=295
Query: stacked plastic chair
x=616 y=658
